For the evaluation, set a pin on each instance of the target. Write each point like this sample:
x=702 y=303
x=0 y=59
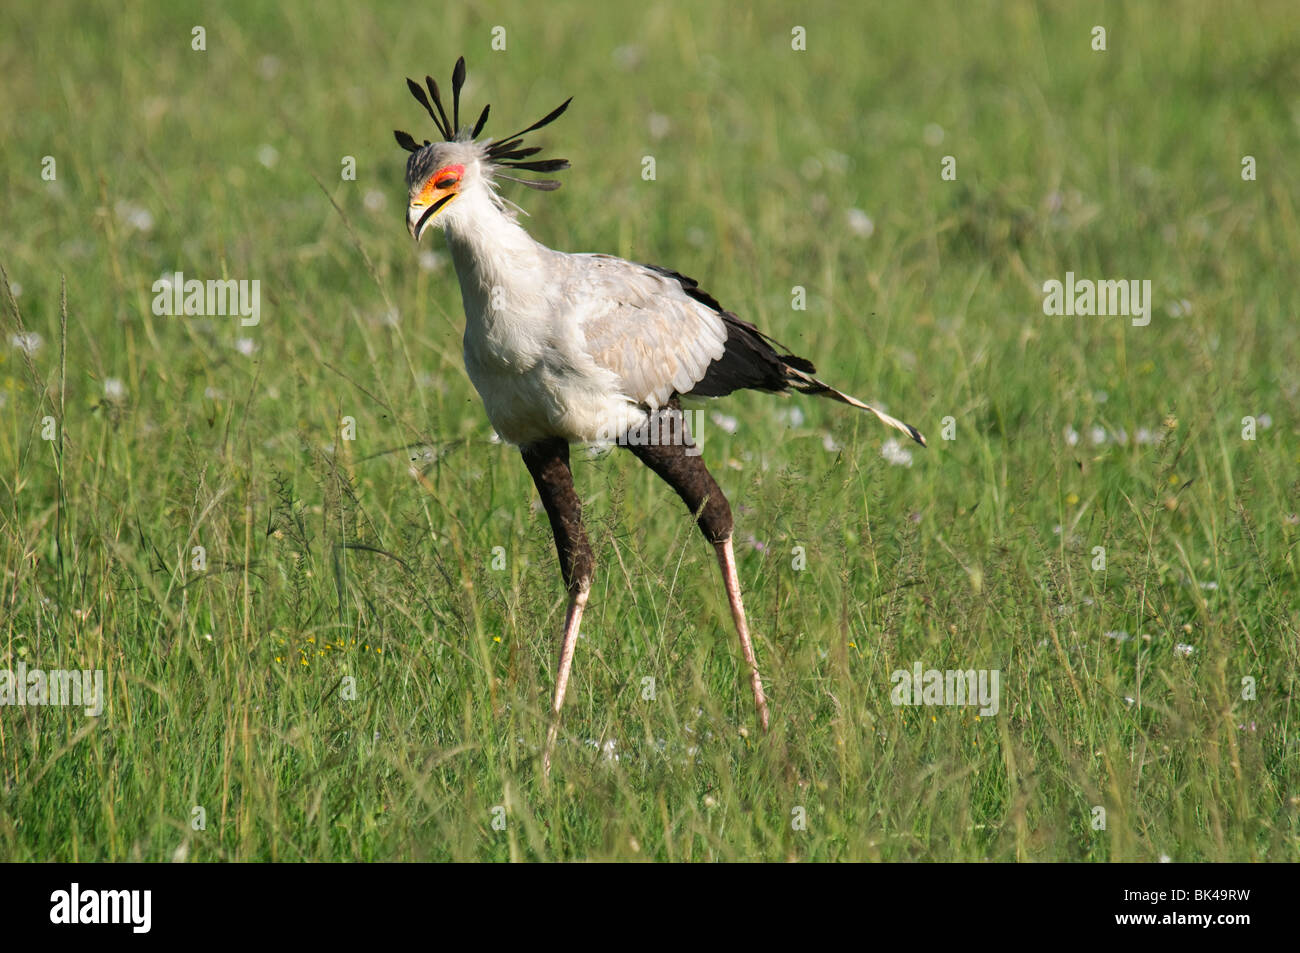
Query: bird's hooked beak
x=418 y=215
x=441 y=188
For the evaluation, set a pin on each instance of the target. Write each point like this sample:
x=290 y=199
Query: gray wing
x=658 y=334
x=641 y=326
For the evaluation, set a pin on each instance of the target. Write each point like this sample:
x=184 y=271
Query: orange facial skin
x=446 y=178
x=437 y=191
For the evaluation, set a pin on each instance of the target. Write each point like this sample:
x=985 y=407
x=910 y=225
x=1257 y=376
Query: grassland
x=331 y=563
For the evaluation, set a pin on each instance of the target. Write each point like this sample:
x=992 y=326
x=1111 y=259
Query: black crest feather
x=541 y=165
x=482 y=120
x=520 y=153
x=418 y=92
x=508 y=152
x=448 y=133
x=457 y=81
x=546 y=120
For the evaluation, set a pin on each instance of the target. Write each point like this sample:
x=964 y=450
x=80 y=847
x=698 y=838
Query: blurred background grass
x=775 y=168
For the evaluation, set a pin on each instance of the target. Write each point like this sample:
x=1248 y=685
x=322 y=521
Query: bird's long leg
x=680 y=466
x=548 y=462
x=727 y=560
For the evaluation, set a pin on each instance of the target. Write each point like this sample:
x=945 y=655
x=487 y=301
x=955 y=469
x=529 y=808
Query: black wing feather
x=750 y=360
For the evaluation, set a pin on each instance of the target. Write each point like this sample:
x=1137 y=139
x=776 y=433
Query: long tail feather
x=808 y=384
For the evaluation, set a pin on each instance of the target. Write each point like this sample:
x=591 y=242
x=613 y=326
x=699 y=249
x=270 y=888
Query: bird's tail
x=805 y=383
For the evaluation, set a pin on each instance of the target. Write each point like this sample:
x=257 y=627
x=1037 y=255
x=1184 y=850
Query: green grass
x=329 y=558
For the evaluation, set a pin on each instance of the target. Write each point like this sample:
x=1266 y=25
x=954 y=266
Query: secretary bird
x=576 y=348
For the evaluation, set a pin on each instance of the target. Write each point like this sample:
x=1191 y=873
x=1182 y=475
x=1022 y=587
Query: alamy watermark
x=1083 y=296
x=132 y=908
x=23 y=686
x=665 y=428
x=954 y=687
x=174 y=295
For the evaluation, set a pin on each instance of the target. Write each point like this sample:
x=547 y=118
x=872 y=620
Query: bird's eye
x=446 y=182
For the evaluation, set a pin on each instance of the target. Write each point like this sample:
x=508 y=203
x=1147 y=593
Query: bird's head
x=439 y=175
x=436 y=176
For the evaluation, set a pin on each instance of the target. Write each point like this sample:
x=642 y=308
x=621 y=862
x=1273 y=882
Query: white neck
x=491 y=251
